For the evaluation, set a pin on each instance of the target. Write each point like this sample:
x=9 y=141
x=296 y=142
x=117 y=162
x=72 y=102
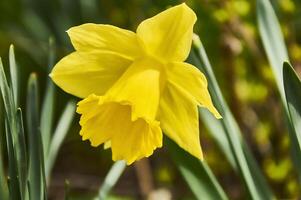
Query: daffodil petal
x=168 y=35
x=90 y=36
x=137 y=140
x=85 y=73
x=178 y=115
x=111 y=122
x=140 y=86
x=193 y=81
x=91 y=120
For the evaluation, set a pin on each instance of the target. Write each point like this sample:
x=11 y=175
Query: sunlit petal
x=178 y=115
x=82 y=73
x=91 y=120
x=90 y=36
x=111 y=122
x=135 y=139
x=190 y=79
x=140 y=85
x=168 y=35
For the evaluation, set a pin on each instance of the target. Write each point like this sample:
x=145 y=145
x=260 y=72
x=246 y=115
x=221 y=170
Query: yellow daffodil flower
x=135 y=85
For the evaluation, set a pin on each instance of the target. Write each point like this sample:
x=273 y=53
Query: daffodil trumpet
x=134 y=85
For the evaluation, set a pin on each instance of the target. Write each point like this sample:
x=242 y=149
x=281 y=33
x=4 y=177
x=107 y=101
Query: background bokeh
x=229 y=31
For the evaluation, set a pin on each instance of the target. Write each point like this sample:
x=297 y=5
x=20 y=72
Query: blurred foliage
x=229 y=33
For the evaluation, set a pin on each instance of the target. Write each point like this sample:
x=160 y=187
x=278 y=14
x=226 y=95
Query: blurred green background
x=229 y=31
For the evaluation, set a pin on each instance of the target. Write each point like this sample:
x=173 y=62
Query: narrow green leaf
x=13 y=183
x=275 y=48
x=48 y=103
x=7 y=97
x=59 y=135
x=111 y=179
x=22 y=151
x=34 y=140
x=196 y=173
x=3 y=176
x=29 y=190
x=292 y=87
x=13 y=75
x=47 y=116
x=272 y=39
x=11 y=117
x=235 y=148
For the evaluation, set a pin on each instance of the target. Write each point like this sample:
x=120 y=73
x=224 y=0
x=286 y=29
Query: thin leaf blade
x=271 y=35
x=22 y=151
x=292 y=86
x=47 y=112
x=13 y=141
x=13 y=183
x=3 y=176
x=47 y=116
x=13 y=74
x=111 y=179
x=59 y=135
x=34 y=140
x=197 y=174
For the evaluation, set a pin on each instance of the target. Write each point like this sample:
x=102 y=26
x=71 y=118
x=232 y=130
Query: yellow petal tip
x=199 y=155
x=218 y=116
x=69 y=30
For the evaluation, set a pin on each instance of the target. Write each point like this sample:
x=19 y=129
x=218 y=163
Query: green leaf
x=3 y=176
x=9 y=105
x=272 y=39
x=7 y=98
x=13 y=75
x=3 y=179
x=47 y=113
x=227 y=129
x=47 y=116
x=196 y=173
x=59 y=135
x=275 y=48
x=36 y=169
x=111 y=179
x=14 y=143
x=13 y=183
x=22 y=150
x=292 y=88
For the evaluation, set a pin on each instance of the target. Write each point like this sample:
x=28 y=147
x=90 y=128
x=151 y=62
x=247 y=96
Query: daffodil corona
x=134 y=85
